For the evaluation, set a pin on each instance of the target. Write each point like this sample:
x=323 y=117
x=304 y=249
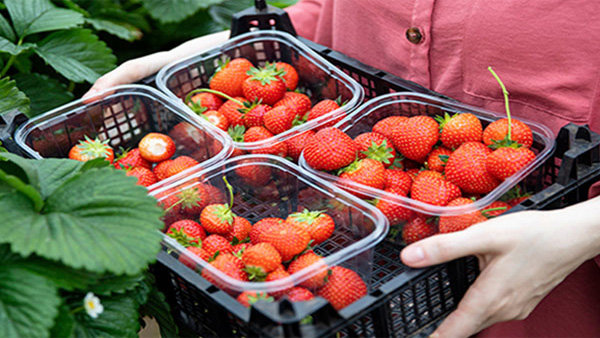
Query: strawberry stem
x=505 y=93
x=206 y=90
x=230 y=188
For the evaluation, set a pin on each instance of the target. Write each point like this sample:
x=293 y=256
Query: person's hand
x=522 y=257
x=137 y=69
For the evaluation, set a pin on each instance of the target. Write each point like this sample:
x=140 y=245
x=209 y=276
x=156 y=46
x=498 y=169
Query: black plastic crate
x=405 y=302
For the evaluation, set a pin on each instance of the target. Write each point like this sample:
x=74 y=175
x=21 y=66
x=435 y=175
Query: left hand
x=522 y=257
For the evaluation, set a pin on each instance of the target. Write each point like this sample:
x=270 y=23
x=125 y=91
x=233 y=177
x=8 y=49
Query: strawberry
x=279 y=119
x=252 y=174
x=239 y=249
x=218 y=218
x=507 y=161
x=343 y=288
x=466 y=168
x=289 y=74
x=260 y=259
x=458 y=129
x=196 y=251
x=305 y=260
x=515 y=196
x=367 y=172
x=265 y=84
x=413 y=173
x=330 y=149
x=216 y=118
x=288 y=239
x=297 y=102
x=462 y=221
x=437 y=158
x=186 y=232
x=131 y=159
x=417 y=229
x=298 y=294
x=397 y=180
x=395 y=213
x=145 y=177
x=241 y=229
x=186 y=136
x=91 y=149
x=320 y=226
x=248 y=298
x=214 y=243
x=237 y=135
x=386 y=126
x=180 y=164
x=495 y=209
x=230 y=266
x=255 y=134
x=254 y=115
x=156 y=147
x=498 y=131
x=261 y=226
x=296 y=144
x=430 y=173
x=230 y=76
x=415 y=137
x=322 y=108
x=277 y=274
x=161 y=169
x=434 y=190
x=233 y=109
x=202 y=102
x=193 y=200
x=377 y=147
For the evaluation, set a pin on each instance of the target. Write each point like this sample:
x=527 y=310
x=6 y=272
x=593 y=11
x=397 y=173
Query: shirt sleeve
x=304 y=16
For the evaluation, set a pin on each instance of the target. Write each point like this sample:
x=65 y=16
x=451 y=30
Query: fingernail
x=413 y=254
x=434 y=335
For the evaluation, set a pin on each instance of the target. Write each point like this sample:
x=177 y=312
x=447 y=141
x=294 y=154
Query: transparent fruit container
x=407 y=104
x=123 y=115
x=285 y=189
x=319 y=78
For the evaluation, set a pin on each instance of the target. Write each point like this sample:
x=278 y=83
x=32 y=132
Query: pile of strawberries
x=271 y=249
x=255 y=103
x=447 y=161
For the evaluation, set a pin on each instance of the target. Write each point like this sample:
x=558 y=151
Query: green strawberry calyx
x=237 y=133
x=94 y=148
x=306 y=216
x=223 y=211
x=188 y=97
x=351 y=168
x=443 y=120
x=255 y=273
x=487 y=211
x=382 y=152
x=189 y=198
x=259 y=296
x=266 y=74
x=182 y=238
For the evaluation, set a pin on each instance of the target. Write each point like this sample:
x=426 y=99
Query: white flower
x=92 y=305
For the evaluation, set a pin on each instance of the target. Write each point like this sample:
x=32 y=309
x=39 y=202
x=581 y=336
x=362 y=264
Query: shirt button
x=414 y=35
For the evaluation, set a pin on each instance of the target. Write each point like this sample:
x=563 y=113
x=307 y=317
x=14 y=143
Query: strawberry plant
x=75 y=241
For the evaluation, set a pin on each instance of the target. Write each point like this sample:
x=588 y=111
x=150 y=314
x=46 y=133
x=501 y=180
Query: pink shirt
x=547 y=54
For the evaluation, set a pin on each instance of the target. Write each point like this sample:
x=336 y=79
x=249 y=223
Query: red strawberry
x=430 y=173
x=322 y=108
x=368 y=172
x=239 y=249
x=241 y=229
x=395 y=213
x=193 y=200
x=230 y=266
x=413 y=173
x=458 y=129
x=305 y=260
x=277 y=274
x=131 y=159
x=217 y=218
x=180 y=164
x=248 y=298
x=217 y=118
x=253 y=174
x=279 y=119
x=386 y=126
x=156 y=147
x=145 y=177
x=495 y=209
x=397 y=180
x=202 y=102
x=214 y=243
x=437 y=159
x=161 y=169
x=343 y=288
x=298 y=294
x=320 y=226
x=466 y=168
x=377 y=147
x=186 y=232
x=288 y=239
x=186 y=136
x=261 y=226
x=462 y=221
x=233 y=109
x=256 y=134
x=297 y=102
x=433 y=190
x=330 y=149
x=415 y=137
x=254 y=115
x=296 y=144
x=506 y=161
x=196 y=251
x=260 y=259
x=91 y=149
x=498 y=131
x=229 y=77
x=417 y=229
x=290 y=76
x=265 y=84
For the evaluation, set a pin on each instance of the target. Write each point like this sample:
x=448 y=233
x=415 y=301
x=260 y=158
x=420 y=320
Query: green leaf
x=121 y=30
x=119 y=318
x=6 y=29
x=44 y=92
x=176 y=10
x=77 y=54
x=36 y=16
x=28 y=301
x=64 y=323
x=19 y=186
x=7 y=46
x=12 y=97
x=2 y=149
x=99 y=220
x=109 y=284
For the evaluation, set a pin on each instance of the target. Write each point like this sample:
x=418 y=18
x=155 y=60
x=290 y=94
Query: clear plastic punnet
x=408 y=104
x=285 y=189
x=123 y=115
x=318 y=78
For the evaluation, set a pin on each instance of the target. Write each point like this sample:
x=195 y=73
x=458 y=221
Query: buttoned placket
x=418 y=40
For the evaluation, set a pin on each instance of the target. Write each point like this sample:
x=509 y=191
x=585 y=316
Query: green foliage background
x=52 y=50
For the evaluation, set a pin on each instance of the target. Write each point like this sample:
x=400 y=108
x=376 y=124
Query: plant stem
x=10 y=61
x=206 y=90
x=71 y=86
x=505 y=93
x=75 y=310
